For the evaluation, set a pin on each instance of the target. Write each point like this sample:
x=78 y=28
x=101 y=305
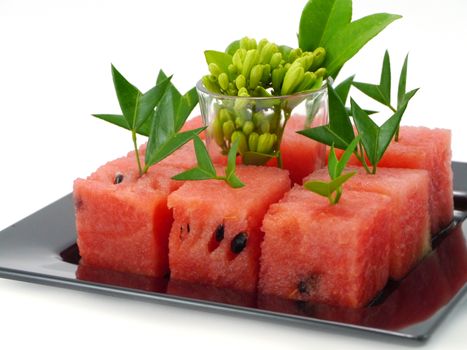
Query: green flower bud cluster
x=258 y=134
x=260 y=69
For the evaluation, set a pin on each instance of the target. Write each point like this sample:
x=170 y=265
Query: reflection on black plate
x=41 y=249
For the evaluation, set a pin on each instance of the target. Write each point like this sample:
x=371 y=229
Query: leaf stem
x=361 y=158
x=135 y=145
x=396 y=135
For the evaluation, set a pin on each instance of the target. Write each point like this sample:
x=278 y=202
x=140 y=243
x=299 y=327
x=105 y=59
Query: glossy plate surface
x=41 y=249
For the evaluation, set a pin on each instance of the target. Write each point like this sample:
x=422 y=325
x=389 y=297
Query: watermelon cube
x=122 y=219
x=332 y=254
x=429 y=149
x=436 y=143
x=216 y=234
x=410 y=224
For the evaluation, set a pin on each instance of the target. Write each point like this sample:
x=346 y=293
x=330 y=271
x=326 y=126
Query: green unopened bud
x=266 y=74
x=262 y=43
x=232 y=69
x=261 y=92
x=319 y=56
x=239 y=121
x=228 y=128
x=277 y=77
x=265 y=143
x=232 y=89
x=252 y=44
x=214 y=69
x=258 y=117
x=306 y=60
x=266 y=53
x=253 y=141
x=308 y=80
x=255 y=76
x=216 y=131
x=292 y=79
x=294 y=54
x=225 y=115
x=248 y=127
x=321 y=72
x=251 y=59
x=211 y=85
x=242 y=142
x=237 y=59
x=245 y=43
x=223 y=80
x=275 y=60
x=264 y=126
x=240 y=81
x=243 y=92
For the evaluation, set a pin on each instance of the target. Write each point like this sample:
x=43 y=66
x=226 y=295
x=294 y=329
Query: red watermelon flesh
x=210 y=217
x=410 y=224
x=429 y=149
x=332 y=254
x=125 y=226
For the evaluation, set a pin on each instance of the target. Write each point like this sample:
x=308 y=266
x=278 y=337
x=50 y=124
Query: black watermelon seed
x=302 y=287
x=188 y=228
x=118 y=179
x=239 y=242
x=219 y=233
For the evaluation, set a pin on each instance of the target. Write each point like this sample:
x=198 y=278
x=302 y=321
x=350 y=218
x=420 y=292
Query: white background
x=55 y=71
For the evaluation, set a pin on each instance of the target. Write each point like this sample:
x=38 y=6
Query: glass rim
x=200 y=87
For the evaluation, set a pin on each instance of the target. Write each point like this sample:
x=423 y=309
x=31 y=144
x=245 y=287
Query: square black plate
x=41 y=249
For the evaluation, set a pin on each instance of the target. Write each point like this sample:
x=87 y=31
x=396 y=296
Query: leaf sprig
x=382 y=92
x=327 y=23
x=333 y=188
x=206 y=170
x=159 y=113
x=374 y=139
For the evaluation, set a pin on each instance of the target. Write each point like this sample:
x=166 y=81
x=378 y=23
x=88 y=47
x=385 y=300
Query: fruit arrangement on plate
x=241 y=196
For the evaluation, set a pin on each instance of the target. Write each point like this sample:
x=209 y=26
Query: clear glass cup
x=257 y=123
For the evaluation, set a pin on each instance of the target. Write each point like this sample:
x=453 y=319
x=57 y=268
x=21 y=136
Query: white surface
x=55 y=71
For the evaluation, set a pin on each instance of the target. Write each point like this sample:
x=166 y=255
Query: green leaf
x=169 y=146
x=256 y=158
x=187 y=103
x=128 y=96
x=320 y=187
x=320 y=19
x=381 y=92
x=402 y=82
x=333 y=163
x=346 y=156
x=347 y=41
x=342 y=90
x=373 y=91
x=339 y=120
x=387 y=132
x=324 y=134
x=368 y=130
x=194 y=174
x=202 y=157
x=233 y=46
x=116 y=119
x=326 y=189
x=385 y=79
x=231 y=177
x=222 y=59
x=148 y=102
